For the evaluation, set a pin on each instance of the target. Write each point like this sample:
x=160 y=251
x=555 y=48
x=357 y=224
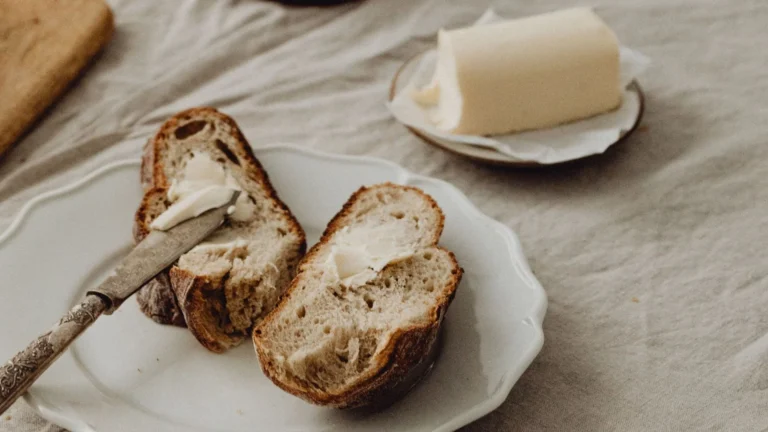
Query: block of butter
x=524 y=74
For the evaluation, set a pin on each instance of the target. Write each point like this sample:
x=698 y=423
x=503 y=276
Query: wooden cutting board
x=44 y=44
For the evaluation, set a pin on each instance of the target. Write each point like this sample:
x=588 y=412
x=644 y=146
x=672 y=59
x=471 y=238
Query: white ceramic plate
x=128 y=373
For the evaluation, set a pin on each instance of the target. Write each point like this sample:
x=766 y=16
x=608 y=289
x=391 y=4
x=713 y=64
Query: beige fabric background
x=652 y=255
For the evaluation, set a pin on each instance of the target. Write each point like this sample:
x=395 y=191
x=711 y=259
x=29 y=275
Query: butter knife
x=152 y=255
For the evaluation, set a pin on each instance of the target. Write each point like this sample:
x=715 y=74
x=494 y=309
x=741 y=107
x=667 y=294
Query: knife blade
x=152 y=255
x=156 y=252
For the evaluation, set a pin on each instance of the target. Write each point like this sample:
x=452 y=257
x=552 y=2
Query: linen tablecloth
x=652 y=255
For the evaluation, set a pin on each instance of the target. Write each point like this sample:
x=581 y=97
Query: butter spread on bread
x=203 y=185
x=359 y=254
x=360 y=320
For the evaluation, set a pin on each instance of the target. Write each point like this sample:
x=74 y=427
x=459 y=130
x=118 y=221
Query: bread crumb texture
x=227 y=284
x=328 y=336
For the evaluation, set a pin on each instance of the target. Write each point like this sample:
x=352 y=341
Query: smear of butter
x=204 y=185
x=359 y=254
x=191 y=205
x=231 y=246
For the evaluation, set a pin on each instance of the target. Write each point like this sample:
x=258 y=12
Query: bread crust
x=175 y=298
x=407 y=348
x=191 y=291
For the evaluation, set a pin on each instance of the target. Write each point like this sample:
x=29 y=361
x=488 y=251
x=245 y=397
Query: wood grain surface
x=44 y=44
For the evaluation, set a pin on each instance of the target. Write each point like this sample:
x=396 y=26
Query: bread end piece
x=191 y=294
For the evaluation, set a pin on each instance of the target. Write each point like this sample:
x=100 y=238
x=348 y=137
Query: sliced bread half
x=226 y=285
x=364 y=311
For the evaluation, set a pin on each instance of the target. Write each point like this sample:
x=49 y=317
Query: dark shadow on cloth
x=657 y=142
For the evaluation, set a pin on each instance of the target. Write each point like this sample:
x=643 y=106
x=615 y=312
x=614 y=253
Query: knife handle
x=24 y=368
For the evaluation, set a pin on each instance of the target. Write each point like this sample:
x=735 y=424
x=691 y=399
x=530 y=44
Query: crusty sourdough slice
x=336 y=344
x=226 y=285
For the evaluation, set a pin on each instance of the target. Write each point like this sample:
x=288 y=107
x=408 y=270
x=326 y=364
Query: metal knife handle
x=24 y=368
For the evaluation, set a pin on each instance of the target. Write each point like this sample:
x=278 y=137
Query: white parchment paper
x=546 y=146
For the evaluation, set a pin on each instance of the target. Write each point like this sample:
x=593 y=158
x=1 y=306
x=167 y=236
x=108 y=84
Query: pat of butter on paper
x=546 y=145
x=522 y=74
